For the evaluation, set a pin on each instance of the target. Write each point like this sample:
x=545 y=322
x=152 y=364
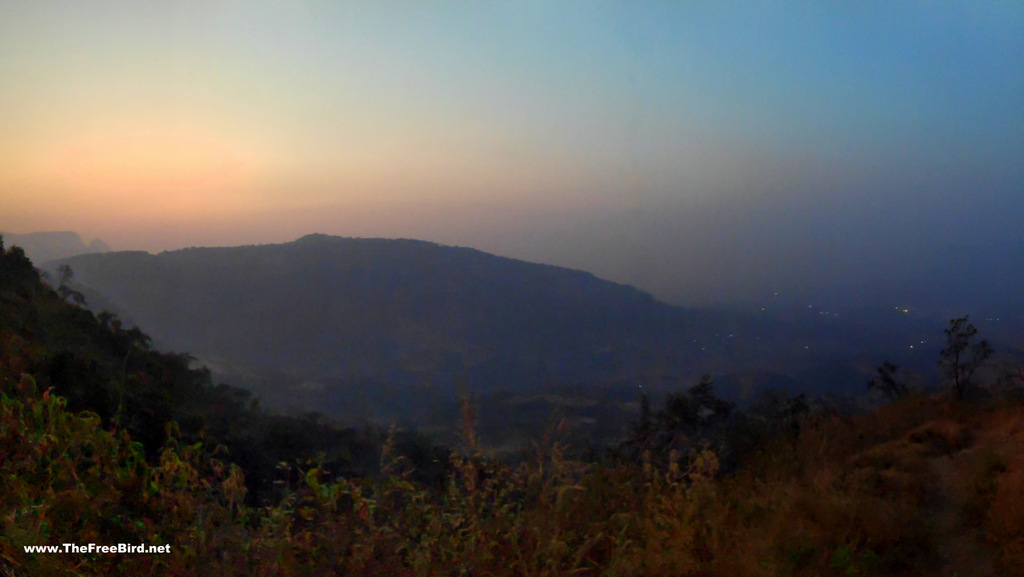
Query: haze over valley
x=378 y=330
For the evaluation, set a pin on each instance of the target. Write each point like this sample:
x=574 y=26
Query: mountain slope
x=402 y=312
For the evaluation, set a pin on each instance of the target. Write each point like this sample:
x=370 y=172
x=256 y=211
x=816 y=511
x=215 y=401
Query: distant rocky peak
x=50 y=245
x=97 y=245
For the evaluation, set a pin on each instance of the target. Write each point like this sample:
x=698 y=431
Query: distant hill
x=384 y=327
x=400 y=312
x=43 y=246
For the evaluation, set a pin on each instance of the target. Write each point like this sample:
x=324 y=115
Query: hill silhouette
x=350 y=327
x=380 y=327
x=397 y=312
x=43 y=246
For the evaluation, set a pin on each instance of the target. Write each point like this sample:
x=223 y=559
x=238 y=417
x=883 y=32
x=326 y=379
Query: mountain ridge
x=398 y=311
x=350 y=325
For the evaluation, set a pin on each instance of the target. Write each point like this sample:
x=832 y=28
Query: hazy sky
x=704 y=151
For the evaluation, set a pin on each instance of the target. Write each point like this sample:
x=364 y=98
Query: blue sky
x=705 y=151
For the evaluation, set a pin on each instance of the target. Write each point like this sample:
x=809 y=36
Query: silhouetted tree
x=887 y=382
x=16 y=270
x=710 y=410
x=644 y=429
x=772 y=417
x=65 y=291
x=961 y=358
x=696 y=417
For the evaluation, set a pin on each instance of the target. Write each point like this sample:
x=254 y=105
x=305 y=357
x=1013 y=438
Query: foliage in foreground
x=846 y=497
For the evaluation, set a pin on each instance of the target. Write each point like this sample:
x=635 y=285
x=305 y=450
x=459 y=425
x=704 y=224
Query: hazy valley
x=395 y=331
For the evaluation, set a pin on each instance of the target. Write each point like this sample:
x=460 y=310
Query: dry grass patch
x=1005 y=518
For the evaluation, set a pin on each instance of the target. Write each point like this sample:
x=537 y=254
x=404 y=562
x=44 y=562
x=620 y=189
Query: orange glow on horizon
x=158 y=162
x=151 y=176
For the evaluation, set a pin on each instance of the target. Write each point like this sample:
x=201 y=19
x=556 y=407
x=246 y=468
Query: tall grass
x=848 y=496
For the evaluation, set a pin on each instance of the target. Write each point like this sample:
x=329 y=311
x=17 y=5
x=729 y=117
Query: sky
x=708 y=152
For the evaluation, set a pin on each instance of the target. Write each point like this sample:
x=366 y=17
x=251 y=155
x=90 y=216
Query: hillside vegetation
x=107 y=441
